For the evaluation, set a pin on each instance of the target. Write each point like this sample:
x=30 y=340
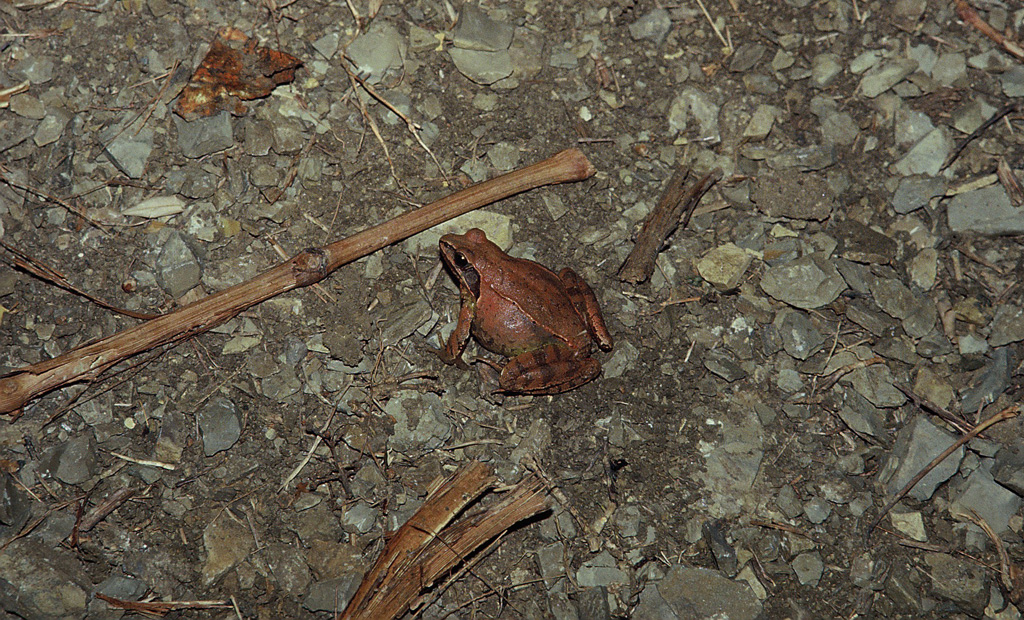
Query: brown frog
x=545 y=322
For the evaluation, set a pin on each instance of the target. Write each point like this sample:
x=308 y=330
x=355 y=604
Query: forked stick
x=307 y=267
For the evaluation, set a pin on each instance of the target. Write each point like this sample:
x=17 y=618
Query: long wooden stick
x=308 y=267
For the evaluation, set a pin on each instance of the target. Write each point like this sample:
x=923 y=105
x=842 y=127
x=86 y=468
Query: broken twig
x=677 y=202
x=966 y=12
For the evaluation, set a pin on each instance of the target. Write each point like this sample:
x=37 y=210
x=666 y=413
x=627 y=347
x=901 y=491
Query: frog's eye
x=460 y=260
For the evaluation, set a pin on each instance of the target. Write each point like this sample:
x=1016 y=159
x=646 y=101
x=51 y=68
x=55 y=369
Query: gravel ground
x=844 y=304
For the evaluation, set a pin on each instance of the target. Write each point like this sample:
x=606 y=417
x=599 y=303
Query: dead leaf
x=236 y=69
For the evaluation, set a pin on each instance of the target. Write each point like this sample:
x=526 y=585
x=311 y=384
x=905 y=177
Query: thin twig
x=41 y=194
x=46 y=273
x=1005 y=414
x=1007 y=109
x=413 y=127
x=673 y=211
x=926 y=405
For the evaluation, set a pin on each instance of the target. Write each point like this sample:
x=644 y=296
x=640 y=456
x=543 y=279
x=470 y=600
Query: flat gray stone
x=122 y=587
x=178 y=269
x=477 y=31
x=989 y=500
x=825 y=68
x=220 y=423
x=802 y=196
x=950 y=68
x=44 y=582
x=839 y=128
x=987 y=210
x=808 y=568
x=917 y=444
x=810 y=281
x=37 y=68
x=917 y=191
x=800 y=338
x=204 y=136
x=806 y=158
x=288 y=567
x=994 y=380
x=817 y=510
x=961 y=581
x=551 y=563
x=703 y=593
x=27 y=106
x=724 y=266
x=863 y=244
x=75 y=461
x=420 y=422
x=875 y=383
x=332 y=594
x=226 y=543
x=927 y=156
x=482 y=67
x=878 y=80
x=1008 y=469
x=1007 y=326
x=694 y=104
x=51 y=128
x=15 y=506
x=601 y=570
x=653 y=26
x=129 y=151
x=379 y=50
x=1013 y=81
x=894 y=297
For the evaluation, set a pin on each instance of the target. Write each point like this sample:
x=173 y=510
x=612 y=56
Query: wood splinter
x=673 y=211
x=430 y=545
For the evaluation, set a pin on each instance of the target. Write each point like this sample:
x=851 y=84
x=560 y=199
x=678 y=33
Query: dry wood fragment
x=966 y=12
x=673 y=211
x=429 y=546
x=160 y=608
x=109 y=505
x=1010 y=182
x=306 y=268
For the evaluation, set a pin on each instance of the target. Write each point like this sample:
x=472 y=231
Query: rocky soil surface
x=842 y=307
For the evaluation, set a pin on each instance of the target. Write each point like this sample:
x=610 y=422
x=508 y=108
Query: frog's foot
x=490 y=370
x=447 y=357
x=585 y=302
x=548 y=370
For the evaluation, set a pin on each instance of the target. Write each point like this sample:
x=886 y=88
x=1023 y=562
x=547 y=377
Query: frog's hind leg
x=548 y=370
x=583 y=298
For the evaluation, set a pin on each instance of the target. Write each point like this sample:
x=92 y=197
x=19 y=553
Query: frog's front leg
x=452 y=351
x=585 y=302
x=548 y=370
